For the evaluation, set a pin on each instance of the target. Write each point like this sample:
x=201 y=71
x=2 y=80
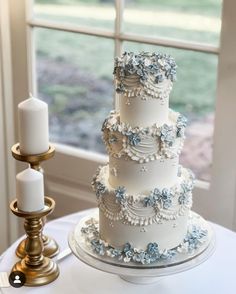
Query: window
x=74 y=67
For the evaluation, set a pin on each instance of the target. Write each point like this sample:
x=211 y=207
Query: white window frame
x=8 y=223
x=71 y=170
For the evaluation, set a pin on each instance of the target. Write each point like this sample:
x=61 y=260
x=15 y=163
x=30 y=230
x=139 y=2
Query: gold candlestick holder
x=50 y=246
x=38 y=269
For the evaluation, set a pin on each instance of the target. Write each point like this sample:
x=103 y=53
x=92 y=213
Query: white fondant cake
x=144 y=195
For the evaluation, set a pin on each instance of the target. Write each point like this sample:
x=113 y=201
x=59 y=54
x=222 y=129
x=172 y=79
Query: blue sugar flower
x=127 y=247
x=167 y=203
x=152 y=68
x=152 y=248
x=170 y=68
x=100 y=189
x=128 y=250
x=114 y=127
x=143 y=77
x=149 y=201
x=194 y=237
x=183 y=199
x=157 y=194
x=154 y=197
x=186 y=188
x=85 y=230
x=139 y=257
x=115 y=252
x=120 y=194
x=166 y=198
x=159 y=78
x=134 y=139
x=167 y=135
x=90 y=229
x=104 y=125
x=181 y=125
x=142 y=257
x=167 y=68
x=98 y=247
x=129 y=69
x=166 y=194
x=197 y=232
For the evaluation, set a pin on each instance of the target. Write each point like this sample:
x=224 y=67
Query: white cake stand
x=138 y=273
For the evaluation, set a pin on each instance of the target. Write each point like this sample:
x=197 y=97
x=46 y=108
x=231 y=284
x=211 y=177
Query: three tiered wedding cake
x=144 y=195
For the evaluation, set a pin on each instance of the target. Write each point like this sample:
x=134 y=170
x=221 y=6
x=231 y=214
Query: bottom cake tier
x=197 y=238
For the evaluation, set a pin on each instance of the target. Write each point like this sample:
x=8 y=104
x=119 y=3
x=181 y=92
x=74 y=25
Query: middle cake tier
x=141 y=159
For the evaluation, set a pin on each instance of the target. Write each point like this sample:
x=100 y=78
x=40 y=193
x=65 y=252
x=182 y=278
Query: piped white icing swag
x=158 y=205
x=144 y=144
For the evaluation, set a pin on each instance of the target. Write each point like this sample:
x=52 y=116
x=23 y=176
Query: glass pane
x=91 y=13
x=198 y=21
x=74 y=76
x=193 y=95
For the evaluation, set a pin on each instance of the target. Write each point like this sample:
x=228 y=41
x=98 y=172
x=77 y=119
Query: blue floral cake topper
x=160 y=66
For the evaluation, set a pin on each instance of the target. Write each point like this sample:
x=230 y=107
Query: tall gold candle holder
x=38 y=269
x=50 y=246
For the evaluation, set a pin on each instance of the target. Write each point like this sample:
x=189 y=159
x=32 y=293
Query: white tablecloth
x=216 y=275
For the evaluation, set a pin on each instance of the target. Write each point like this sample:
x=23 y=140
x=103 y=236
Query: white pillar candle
x=33 y=126
x=30 y=190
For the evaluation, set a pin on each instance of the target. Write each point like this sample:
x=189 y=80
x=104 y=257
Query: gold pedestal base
x=50 y=248
x=46 y=273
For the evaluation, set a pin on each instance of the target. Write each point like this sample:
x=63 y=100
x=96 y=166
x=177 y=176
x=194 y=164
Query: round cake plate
x=139 y=273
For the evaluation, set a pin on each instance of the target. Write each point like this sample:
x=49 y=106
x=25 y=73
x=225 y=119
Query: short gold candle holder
x=38 y=269
x=51 y=247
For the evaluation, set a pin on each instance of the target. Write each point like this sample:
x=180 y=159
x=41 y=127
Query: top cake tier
x=144 y=82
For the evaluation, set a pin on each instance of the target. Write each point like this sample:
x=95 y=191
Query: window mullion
x=118 y=26
x=119 y=4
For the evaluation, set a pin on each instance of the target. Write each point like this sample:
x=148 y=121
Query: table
x=216 y=275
